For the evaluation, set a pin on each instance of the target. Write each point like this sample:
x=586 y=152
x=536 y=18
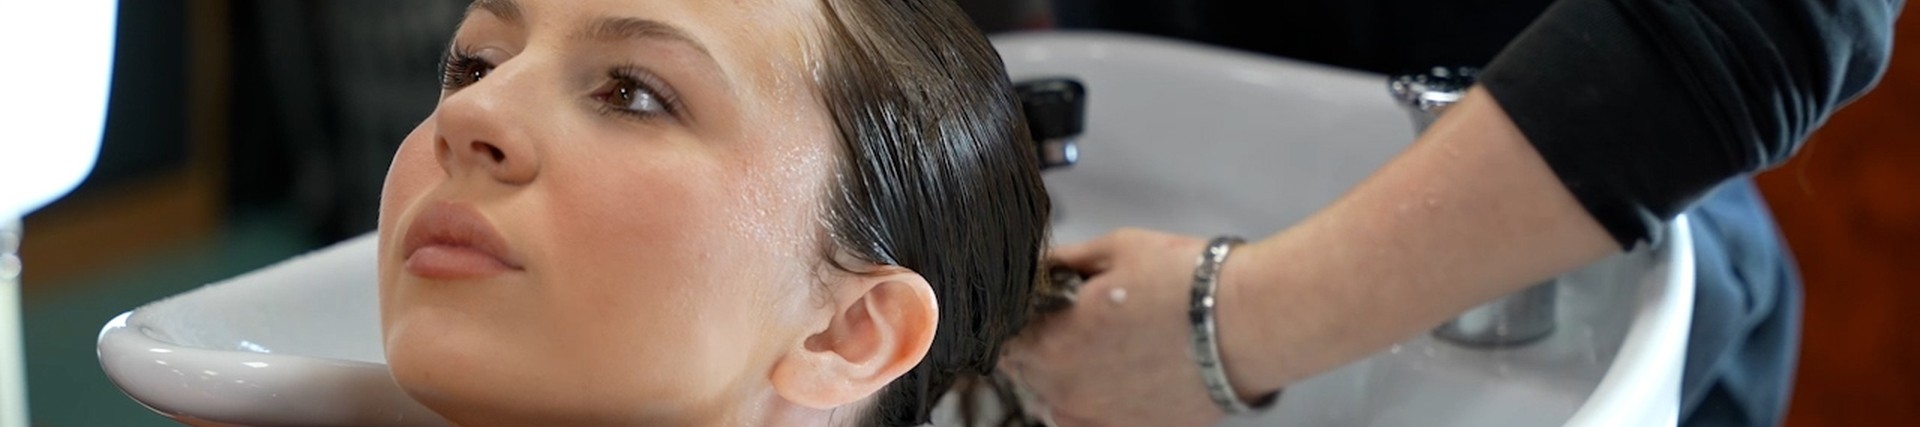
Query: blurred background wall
x=243 y=132
x=239 y=133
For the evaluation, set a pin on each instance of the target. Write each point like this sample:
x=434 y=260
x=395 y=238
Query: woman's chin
x=474 y=379
x=460 y=390
x=446 y=369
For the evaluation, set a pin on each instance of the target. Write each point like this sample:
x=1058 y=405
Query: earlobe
x=881 y=327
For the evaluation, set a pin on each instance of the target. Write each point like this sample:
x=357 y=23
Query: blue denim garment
x=1746 y=314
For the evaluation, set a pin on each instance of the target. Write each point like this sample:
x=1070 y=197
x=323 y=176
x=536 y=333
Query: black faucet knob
x=1056 y=111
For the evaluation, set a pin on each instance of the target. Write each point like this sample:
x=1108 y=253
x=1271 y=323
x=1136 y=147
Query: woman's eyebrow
x=506 y=10
x=615 y=29
x=625 y=28
x=604 y=29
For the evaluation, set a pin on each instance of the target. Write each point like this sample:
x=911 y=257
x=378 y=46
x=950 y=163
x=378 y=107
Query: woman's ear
x=881 y=325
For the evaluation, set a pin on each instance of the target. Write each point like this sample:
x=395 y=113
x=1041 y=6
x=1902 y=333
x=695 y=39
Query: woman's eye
x=635 y=92
x=626 y=94
x=462 y=70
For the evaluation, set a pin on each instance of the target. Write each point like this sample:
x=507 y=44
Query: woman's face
x=612 y=213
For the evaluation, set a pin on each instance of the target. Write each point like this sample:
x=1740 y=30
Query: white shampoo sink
x=1205 y=141
x=1179 y=137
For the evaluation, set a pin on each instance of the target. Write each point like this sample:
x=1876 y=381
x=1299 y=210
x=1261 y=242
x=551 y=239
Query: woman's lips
x=453 y=241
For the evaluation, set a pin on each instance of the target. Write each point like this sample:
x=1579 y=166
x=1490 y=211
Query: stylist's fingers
x=1013 y=380
x=1033 y=341
x=1086 y=258
x=1094 y=256
x=1118 y=355
x=1017 y=360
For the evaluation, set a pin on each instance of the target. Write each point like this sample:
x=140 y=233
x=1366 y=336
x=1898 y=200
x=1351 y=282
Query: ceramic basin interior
x=1179 y=137
x=1209 y=141
x=296 y=343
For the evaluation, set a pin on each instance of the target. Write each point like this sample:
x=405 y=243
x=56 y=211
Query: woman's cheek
x=413 y=169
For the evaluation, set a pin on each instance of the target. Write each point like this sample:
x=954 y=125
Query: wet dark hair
x=938 y=175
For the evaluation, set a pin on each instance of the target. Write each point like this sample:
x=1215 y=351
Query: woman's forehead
x=765 y=45
x=785 y=38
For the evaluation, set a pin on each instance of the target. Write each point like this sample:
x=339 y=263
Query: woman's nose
x=502 y=162
x=482 y=131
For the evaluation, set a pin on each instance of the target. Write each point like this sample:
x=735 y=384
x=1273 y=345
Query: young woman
x=694 y=212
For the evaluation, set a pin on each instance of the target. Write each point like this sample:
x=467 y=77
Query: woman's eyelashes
x=461 y=69
x=629 y=91
x=632 y=92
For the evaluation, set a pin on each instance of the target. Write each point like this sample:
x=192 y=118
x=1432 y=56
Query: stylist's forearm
x=1470 y=212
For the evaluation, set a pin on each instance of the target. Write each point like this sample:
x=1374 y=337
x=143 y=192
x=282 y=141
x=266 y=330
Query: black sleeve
x=1642 y=106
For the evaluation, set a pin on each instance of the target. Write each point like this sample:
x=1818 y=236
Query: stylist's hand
x=1125 y=363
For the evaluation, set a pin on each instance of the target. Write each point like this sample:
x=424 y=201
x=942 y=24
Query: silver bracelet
x=1206 y=337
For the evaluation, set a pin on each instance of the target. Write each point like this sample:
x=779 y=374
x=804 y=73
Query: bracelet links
x=1206 y=337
